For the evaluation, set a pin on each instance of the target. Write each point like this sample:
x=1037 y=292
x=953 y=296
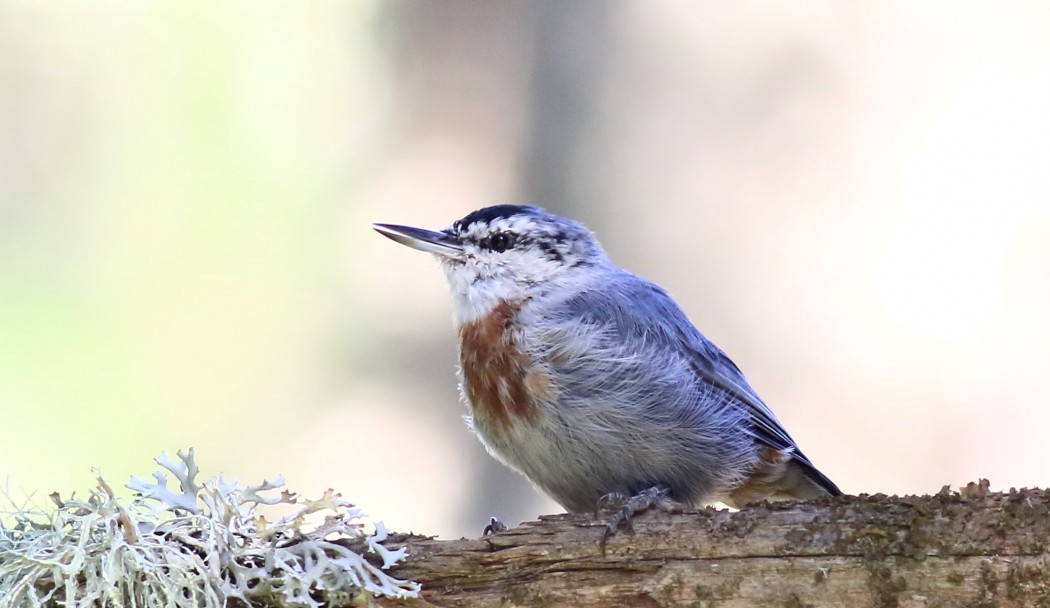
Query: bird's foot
x=614 y=500
x=628 y=506
x=494 y=525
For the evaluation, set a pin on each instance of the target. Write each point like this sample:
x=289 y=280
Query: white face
x=504 y=254
x=512 y=258
x=498 y=264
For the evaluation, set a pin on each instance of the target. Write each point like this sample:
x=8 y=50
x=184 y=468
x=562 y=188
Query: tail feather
x=803 y=480
x=781 y=475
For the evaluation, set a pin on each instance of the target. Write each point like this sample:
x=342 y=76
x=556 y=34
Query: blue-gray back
x=644 y=353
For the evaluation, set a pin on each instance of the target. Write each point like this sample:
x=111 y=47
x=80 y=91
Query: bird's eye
x=499 y=242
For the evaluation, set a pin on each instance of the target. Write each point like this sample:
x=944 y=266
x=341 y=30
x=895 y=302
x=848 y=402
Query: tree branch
x=973 y=548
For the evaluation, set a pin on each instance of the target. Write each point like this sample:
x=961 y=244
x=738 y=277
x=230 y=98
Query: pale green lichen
x=206 y=545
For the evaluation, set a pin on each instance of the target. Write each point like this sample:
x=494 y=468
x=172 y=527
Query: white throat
x=473 y=301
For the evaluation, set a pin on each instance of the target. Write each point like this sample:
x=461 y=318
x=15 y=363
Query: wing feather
x=637 y=303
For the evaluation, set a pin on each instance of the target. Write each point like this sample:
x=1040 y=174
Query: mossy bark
x=973 y=548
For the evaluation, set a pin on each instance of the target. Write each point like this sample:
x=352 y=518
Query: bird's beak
x=437 y=243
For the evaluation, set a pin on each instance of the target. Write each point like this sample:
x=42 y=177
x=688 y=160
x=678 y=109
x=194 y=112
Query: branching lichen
x=206 y=544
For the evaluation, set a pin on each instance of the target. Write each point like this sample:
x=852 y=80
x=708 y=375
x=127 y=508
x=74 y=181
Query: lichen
x=1028 y=582
x=205 y=545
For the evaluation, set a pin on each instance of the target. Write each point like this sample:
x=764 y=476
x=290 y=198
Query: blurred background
x=851 y=199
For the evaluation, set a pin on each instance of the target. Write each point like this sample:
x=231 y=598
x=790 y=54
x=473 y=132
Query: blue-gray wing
x=641 y=313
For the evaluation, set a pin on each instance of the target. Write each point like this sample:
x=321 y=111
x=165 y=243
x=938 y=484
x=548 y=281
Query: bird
x=592 y=381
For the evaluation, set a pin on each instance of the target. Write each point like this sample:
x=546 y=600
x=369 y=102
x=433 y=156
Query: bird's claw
x=612 y=499
x=629 y=506
x=494 y=525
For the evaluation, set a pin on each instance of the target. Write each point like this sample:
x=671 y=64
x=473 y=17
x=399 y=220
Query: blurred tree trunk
x=970 y=549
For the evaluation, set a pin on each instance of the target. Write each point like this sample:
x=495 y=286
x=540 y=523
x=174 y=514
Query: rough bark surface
x=973 y=548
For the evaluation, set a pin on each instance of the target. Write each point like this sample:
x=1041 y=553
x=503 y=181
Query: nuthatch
x=591 y=381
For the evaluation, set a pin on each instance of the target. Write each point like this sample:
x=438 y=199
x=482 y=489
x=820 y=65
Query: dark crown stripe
x=488 y=214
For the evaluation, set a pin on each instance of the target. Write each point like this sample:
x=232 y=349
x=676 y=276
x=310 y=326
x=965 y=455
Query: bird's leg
x=613 y=499
x=628 y=507
x=494 y=525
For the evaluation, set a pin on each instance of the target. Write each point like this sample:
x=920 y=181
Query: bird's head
x=505 y=253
